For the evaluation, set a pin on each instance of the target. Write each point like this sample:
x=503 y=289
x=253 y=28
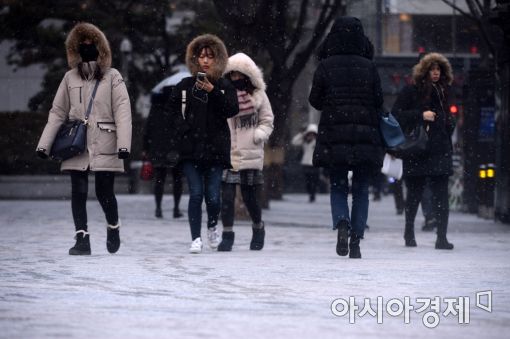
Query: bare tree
x=480 y=12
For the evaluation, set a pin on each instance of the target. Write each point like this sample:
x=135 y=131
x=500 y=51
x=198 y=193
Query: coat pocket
x=107 y=139
x=76 y=94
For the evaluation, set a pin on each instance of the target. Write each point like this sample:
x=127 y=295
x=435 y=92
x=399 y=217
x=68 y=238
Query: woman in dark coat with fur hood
x=426 y=103
x=347 y=89
x=202 y=107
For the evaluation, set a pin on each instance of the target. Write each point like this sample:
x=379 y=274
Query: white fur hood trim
x=240 y=62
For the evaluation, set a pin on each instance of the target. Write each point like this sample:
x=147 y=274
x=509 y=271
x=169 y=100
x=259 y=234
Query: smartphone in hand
x=201 y=76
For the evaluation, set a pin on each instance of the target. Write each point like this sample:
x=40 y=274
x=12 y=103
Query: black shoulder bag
x=71 y=138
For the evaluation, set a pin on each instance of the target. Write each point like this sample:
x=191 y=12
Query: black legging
x=439 y=203
x=311 y=179
x=228 y=197
x=159 y=185
x=104 y=194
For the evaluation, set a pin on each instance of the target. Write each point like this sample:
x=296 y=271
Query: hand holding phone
x=203 y=82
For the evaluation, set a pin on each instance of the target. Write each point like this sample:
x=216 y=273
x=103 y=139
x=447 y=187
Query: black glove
x=41 y=153
x=123 y=153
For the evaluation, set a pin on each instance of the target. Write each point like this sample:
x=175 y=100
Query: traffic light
x=454 y=110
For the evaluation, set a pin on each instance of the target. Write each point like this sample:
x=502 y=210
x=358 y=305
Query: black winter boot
x=409 y=236
x=227 y=240
x=158 y=213
x=112 y=238
x=257 y=239
x=443 y=244
x=342 y=248
x=177 y=213
x=429 y=225
x=82 y=246
x=354 y=250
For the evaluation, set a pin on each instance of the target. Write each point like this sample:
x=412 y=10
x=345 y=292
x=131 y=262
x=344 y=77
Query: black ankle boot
x=409 y=237
x=443 y=244
x=158 y=213
x=177 y=213
x=342 y=248
x=112 y=238
x=354 y=250
x=257 y=239
x=227 y=241
x=82 y=246
x=429 y=225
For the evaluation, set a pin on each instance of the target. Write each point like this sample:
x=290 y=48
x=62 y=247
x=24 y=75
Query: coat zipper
x=80 y=95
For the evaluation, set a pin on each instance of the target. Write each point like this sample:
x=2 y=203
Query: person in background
x=423 y=103
x=307 y=140
x=108 y=129
x=157 y=147
x=249 y=130
x=204 y=102
x=347 y=89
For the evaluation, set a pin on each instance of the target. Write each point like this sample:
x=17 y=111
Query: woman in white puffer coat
x=249 y=130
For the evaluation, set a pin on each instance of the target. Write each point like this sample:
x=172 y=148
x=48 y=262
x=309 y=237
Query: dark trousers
x=159 y=185
x=439 y=208
x=311 y=180
x=398 y=195
x=228 y=197
x=104 y=194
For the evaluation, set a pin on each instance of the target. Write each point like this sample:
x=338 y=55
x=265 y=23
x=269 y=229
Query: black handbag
x=71 y=138
x=415 y=144
x=391 y=132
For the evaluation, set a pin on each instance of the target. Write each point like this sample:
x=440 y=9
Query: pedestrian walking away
x=159 y=148
x=204 y=102
x=423 y=104
x=108 y=129
x=249 y=130
x=307 y=140
x=346 y=88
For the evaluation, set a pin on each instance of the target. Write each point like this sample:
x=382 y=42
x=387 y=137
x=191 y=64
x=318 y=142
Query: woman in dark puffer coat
x=346 y=88
x=426 y=102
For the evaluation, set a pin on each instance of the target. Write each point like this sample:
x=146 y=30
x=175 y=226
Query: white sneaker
x=196 y=246
x=213 y=237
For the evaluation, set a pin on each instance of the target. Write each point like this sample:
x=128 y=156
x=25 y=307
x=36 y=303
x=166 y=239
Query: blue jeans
x=202 y=180
x=340 y=191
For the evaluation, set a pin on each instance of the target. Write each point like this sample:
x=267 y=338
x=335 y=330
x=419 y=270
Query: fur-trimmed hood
x=217 y=46
x=421 y=68
x=242 y=63
x=81 y=32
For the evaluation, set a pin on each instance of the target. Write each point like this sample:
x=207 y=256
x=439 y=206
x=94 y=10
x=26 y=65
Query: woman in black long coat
x=347 y=89
x=426 y=103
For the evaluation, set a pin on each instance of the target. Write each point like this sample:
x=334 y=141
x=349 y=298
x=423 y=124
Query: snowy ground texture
x=152 y=288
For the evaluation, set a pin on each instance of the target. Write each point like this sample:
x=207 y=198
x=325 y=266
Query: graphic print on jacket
x=247 y=117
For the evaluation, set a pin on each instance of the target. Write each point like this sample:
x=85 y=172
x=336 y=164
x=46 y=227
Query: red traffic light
x=454 y=109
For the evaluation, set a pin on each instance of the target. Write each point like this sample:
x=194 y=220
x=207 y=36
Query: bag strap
x=89 y=108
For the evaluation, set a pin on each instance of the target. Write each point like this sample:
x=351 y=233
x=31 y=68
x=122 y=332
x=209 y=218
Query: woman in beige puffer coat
x=249 y=130
x=108 y=128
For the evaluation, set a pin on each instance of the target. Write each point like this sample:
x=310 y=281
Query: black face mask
x=88 y=52
x=241 y=84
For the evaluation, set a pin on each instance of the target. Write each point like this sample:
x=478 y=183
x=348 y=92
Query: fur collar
x=84 y=31
x=217 y=46
x=420 y=70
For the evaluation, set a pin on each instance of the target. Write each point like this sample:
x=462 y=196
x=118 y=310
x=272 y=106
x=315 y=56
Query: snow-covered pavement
x=153 y=288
